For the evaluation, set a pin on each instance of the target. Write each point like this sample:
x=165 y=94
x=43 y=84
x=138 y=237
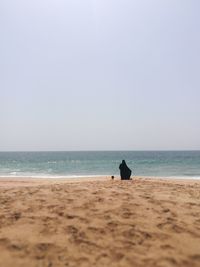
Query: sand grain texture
x=100 y=223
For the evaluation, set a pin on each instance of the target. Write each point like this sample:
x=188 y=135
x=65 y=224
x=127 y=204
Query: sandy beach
x=101 y=222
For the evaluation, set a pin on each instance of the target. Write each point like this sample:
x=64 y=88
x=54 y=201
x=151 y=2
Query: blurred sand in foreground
x=47 y=223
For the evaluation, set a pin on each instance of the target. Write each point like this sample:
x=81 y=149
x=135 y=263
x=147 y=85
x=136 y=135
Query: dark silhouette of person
x=125 y=172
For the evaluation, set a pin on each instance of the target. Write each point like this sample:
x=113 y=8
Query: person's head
x=123 y=161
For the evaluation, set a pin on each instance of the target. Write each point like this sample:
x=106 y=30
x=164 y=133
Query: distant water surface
x=91 y=163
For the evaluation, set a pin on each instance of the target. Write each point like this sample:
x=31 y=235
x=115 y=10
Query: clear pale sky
x=99 y=74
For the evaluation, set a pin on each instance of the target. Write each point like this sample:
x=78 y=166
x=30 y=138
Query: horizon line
x=120 y=150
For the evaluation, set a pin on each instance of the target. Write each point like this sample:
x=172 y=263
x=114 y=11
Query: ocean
x=184 y=164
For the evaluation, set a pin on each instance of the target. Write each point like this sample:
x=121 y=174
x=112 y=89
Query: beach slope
x=143 y=222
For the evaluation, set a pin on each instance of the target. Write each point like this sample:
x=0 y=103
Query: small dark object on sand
x=112 y=177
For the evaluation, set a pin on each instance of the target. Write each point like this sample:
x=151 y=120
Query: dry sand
x=47 y=223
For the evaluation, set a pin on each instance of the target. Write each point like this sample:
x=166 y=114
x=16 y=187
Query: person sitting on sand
x=125 y=172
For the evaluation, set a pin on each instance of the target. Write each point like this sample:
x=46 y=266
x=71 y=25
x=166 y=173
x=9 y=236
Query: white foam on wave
x=13 y=173
x=51 y=176
x=48 y=176
x=171 y=177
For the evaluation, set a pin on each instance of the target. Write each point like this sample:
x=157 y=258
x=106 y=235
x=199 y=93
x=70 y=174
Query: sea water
x=185 y=164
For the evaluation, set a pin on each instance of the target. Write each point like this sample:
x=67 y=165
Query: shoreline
x=33 y=181
x=182 y=177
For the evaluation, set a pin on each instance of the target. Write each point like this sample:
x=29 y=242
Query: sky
x=99 y=75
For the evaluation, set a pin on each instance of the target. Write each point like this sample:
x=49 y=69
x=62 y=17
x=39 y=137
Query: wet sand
x=101 y=222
